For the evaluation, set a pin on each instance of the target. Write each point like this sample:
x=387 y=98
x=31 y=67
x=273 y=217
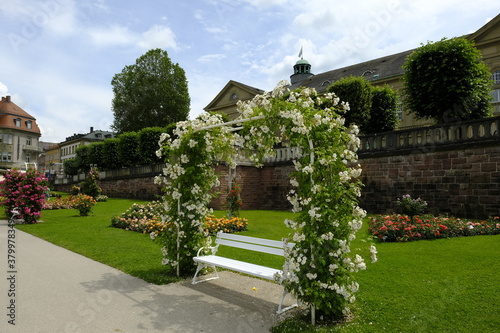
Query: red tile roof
x=9 y=111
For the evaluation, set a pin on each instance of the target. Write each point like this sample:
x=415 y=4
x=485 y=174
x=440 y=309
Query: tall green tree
x=447 y=81
x=152 y=92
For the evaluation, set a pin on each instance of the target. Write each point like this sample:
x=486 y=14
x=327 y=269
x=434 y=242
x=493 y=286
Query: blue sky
x=57 y=57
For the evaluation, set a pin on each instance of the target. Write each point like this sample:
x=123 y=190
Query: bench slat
x=253 y=247
x=251 y=240
x=239 y=266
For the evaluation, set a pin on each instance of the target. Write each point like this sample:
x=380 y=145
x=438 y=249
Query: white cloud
x=211 y=57
x=158 y=36
x=267 y=3
x=3 y=89
x=113 y=35
x=60 y=17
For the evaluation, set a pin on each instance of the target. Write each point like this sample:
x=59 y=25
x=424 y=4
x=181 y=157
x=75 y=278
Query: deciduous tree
x=152 y=92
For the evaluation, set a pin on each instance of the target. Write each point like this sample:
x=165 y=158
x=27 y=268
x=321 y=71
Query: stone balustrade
x=404 y=141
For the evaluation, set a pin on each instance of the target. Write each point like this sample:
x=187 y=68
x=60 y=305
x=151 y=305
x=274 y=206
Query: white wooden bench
x=247 y=243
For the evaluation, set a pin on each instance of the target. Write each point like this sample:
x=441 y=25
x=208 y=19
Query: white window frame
x=496 y=77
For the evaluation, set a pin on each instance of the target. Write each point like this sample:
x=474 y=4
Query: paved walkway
x=56 y=290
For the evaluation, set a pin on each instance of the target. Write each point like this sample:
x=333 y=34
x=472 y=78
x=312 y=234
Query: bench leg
x=280 y=310
x=199 y=268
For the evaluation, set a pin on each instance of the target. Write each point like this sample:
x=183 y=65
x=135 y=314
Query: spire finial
x=300 y=53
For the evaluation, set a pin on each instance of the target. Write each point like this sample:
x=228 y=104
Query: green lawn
x=446 y=285
x=133 y=253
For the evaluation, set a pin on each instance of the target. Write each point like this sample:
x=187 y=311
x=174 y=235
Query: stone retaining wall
x=464 y=183
x=455 y=168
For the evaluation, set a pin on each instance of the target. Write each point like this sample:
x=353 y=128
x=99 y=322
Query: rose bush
x=83 y=204
x=24 y=191
x=233 y=201
x=402 y=228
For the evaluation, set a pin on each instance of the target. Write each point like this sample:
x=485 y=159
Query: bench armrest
x=211 y=248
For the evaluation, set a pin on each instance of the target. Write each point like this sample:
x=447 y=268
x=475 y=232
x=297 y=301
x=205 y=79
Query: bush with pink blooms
x=24 y=191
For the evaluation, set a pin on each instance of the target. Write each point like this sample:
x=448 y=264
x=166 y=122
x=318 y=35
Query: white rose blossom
x=373 y=252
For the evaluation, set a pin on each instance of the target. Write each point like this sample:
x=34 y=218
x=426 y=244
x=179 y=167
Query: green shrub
x=101 y=198
x=96 y=154
x=71 y=167
x=148 y=144
x=144 y=218
x=128 y=149
x=411 y=207
x=357 y=91
x=83 y=158
x=383 y=117
x=90 y=186
x=83 y=204
x=233 y=201
x=110 y=154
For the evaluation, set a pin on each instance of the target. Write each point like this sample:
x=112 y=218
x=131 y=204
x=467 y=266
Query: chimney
x=7 y=99
x=92 y=130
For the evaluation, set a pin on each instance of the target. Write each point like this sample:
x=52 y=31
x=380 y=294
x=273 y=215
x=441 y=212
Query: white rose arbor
x=326 y=187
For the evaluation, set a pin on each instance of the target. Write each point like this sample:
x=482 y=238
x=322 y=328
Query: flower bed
x=229 y=225
x=82 y=203
x=402 y=228
x=145 y=219
x=57 y=203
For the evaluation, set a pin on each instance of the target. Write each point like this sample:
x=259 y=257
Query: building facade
x=382 y=71
x=67 y=148
x=19 y=136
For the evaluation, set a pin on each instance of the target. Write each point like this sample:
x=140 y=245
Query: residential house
x=19 y=136
x=69 y=146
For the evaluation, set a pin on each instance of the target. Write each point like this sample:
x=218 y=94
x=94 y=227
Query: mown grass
x=445 y=285
x=133 y=253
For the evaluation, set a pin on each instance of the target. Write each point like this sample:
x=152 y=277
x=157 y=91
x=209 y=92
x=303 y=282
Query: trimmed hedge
x=128 y=150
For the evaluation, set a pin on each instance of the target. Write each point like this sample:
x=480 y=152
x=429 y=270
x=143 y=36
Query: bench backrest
x=251 y=243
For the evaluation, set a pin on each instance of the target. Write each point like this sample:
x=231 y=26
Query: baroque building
x=387 y=70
